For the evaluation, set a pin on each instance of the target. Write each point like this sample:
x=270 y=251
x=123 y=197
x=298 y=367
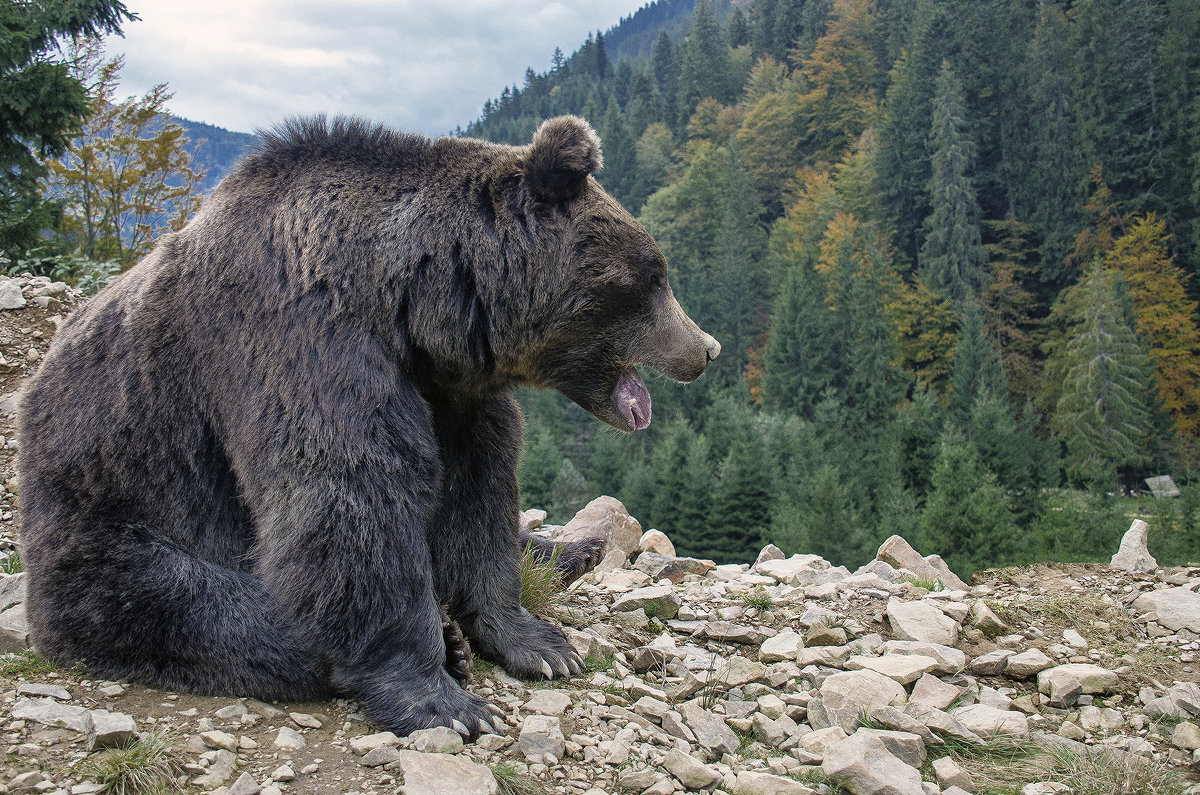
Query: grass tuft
x=758 y=599
x=24 y=664
x=11 y=563
x=541 y=586
x=148 y=767
x=928 y=583
x=513 y=783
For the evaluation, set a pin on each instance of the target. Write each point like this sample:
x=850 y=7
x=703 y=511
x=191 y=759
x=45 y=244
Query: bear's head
x=615 y=309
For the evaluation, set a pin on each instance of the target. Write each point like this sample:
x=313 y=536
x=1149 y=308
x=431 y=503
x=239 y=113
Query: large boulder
x=1174 y=608
x=605 y=517
x=900 y=554
x=1133 y=555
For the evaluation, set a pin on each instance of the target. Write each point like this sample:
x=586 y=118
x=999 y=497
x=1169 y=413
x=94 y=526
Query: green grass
x=513 y=783
x=11 y=563
x=24 y=665
x=541 y=586
x=928 y=583
x=148 y=767
x=758 y=599
x=592 y=663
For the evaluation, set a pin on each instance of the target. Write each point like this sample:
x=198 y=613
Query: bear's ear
x=564 y=151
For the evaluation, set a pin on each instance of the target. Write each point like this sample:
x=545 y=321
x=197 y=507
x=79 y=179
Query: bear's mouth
x=632 y=399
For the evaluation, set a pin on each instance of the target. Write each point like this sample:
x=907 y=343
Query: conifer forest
x=950 y=249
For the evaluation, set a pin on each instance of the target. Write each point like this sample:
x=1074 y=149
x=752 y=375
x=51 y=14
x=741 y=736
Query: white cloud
x=422 y=66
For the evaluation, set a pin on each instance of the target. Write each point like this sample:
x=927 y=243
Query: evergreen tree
x=1105 y=412
x=1010 y=309
x=541 y=461
x=976 y=372
x=43 y=104
x=952 y=256
x=737 y=29
x=692 y=517
x=620 y=156
x=966 y=518
x=704 y=68
x=741 y=516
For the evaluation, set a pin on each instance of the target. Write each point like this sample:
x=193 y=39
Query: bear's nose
x=713 y=348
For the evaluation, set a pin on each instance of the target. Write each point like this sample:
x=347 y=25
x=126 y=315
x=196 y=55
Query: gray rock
x=111 y=730
x=673 y=568
x=245 y=785
x=14 y=629
x=950 y=660
x=738 y=670
x=13 y=589
x=10 y=295
x=773 y=733
x=846 y=696
x=902 y=668
x=863 y=764
x=1133 y=555
x=784 y=646
x=951 y=774
x=220 y=771
x=731 y=632
x=986 y=621
x=378 y=757
x=908 y=747
x=1065 y=683
x=1174 y=608
x=921 y=621
x=38 y=690
x=899 y=553
x=692 y=773
x=990 y=664
x=712 y=735
x=605 y=517
x=369 y=742
x=1026 y=664
x=437 y=774
x=894 y=719
x=548 y=702
x=929 y=691
x=750 y=782
x=541 y=735
x=825 y=635
x=769 y=552
x=219 y=739
x=989 y=721
x=438 y=740
x=49 y=712
x=289 y=739
x=658 y=601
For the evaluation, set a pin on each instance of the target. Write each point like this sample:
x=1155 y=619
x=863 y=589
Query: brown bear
x=258 y=463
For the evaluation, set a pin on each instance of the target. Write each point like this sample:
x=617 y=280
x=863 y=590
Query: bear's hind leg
x=131 y=606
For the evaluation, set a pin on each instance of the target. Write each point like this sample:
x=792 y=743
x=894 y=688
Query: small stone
x=377 y=757
x=1174 y=608
x=219 y=771
x=111 y=730
x=369 y=742
x=782 y=647
x=693 y=774
x=823 y=634
x=1065 y=683
x=304 y=720
x=541 y=735
x=864 y=765
x=921 y=621
x=658 y=601
x=730 y=632
x=990 y=664
x=10 y=295
x=739 y=670
x=49 y=712
x=1026 y=664
x=989 y=721
x=1044 y=788
x=233 y=712
x=245 y=785
x=1074 y=639
x=986 y=621
x=769 y=552
x=951 y=774
x=43 y=691
x=289 y=739
x=657 y=542
x=900 y=554
x=283 y=773
x=1186 y=736
x=548 y=702
x=932 y=692
x=712 y=734
x=903 y=668
x=1071 y=731
x=751 y=782
x=219 y=739
x=438 y=740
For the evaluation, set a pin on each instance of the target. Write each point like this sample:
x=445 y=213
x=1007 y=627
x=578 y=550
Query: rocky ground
x=788 y=676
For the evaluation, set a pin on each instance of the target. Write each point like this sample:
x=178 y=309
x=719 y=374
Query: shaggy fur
x=258 y=462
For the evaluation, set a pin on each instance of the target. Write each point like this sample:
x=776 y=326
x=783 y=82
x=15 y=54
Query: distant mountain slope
x=214 y=149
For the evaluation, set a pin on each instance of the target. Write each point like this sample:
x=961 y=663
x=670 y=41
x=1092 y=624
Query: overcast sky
x=425 y=66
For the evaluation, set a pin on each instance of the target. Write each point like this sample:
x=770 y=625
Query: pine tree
x=540 y=463
x=1009 y=307
x=44 y=104
x=1105 y=412
x=976 y=372
x=704 y=70
x=952 y=256
x=693 y=516
x=1165 y=316
x=620 y=156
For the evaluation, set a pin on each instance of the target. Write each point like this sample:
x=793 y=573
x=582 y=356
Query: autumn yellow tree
x=128 y=178
x=1165 y=315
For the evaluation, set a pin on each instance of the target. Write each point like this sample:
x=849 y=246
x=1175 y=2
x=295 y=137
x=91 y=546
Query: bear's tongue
x=633 y=400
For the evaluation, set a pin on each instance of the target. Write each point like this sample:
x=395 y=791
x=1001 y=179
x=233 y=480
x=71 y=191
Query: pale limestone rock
x=10 y=295
x=436 y=774
x=769 y=552
x=988 y=721
x=829 y=656
x=784 y=646
x=921 y=621
x=951 y=774
x=436 y=740
x=929 y=691
x=899 y=553
x=541 y=735
x=985 y=620
x=220 y=771
x=821 y=740
x=1079 y=678
x=658 y=601
x=656 y=541
x=691 y=772
x=750 y=782
x=712 y=735
x=949 y=659
x=548 y=702
x=845 y=696
x=219 y=740
x=532 y=520
x=605 y=517
x=289 y=739
x=245 y=785
x=894 y=719
x=863 y=764
x=908 y=747
x=738 y=670
x=1133 y=555
x=38 y=690
x=903 y=668
x=1186 y=736
x=49 y=712
x=990 y=664
x=1026 y=664
x=369 y=742
x=796 y=570
x=1174 y=608
x=825 y=635
x=111 y=730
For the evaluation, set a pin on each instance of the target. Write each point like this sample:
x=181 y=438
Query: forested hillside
x=949 y=249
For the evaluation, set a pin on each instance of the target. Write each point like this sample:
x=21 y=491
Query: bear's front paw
x=403 y=706
x=576 y=558
x=529 y=648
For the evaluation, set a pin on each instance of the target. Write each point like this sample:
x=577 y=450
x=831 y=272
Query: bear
x=263 y=460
